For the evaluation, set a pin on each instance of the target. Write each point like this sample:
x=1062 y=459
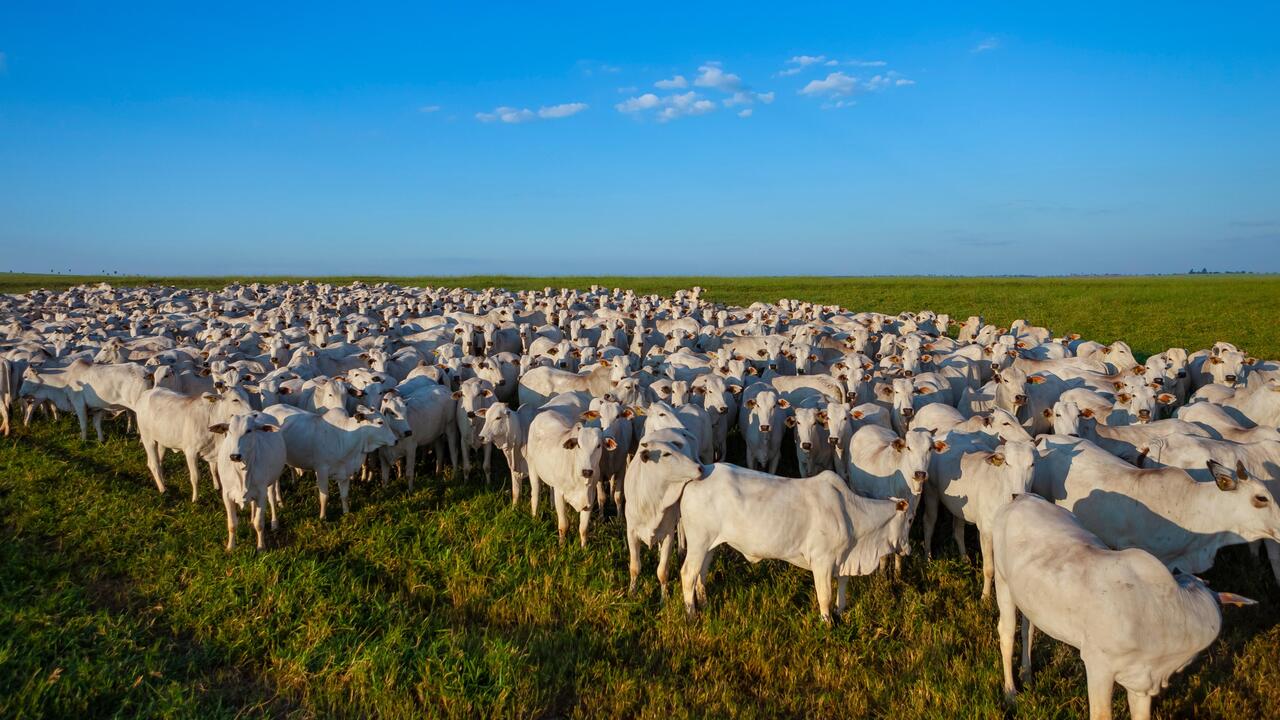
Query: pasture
x=115 y=600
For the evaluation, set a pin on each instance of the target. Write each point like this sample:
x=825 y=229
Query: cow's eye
x=1260 y=500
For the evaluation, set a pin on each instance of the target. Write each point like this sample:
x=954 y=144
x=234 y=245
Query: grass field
x=117 y=601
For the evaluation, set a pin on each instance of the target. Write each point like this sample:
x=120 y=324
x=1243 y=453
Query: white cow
x=170 y=421
x=332 y=445
x=973 y=483
x=1133 y=622
x=815 y=523
x=1161 y=510
x=883 y=465
x=250 y=458
x=564 y=453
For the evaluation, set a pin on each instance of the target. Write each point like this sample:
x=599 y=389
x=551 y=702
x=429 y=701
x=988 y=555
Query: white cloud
x=904 y=81
x=836 y=83
x=800 y=62
x=765 y=98
x=515 y=116
x=636 y=104
x=675 y=106
x=712 y=76
x=563 y=110
x=866 y=63
x=990 y=43
x=674 y=83
x=745 y=113
x=429 y=109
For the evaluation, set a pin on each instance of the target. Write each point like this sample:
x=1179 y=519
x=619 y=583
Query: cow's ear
x=940 y=446
x=627 y=413
x=1222 y=476
x=1047 y=413
x=1124 y=397
x=902 y=505
x=269 y=428
x=735 y=389
x=1215 y=360
x=782 y=403
x=487 y=393
x=210 y=397
x=996 y=376
x=570 y=444
x=986 y=421
x=457 y=395
x=1166 y=398
x=857 y=415
x=218 y=429
x=751 y=403
x=822 y=418
x=926 y=358
x=589 y=415
x=1087 y=412
x=610 y=444
x=996 y=459
x=1251 y=361
x=790 y=421
x=1036 y=379
x=898 y=444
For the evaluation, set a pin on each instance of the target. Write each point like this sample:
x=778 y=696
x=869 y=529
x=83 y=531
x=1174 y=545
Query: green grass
x=117 y=601
x=1151 y=313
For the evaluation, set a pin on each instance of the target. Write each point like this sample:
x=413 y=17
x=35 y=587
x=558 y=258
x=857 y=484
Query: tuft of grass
x=115 y=600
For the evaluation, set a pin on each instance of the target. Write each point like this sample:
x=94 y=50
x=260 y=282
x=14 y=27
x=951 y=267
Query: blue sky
x=710 y=138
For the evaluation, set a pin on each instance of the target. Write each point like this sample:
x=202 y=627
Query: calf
x=565 y=453
x=883 y=465
x=250 y=458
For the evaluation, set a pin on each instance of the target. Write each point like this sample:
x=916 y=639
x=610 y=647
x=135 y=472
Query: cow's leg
x=384 y=469
x=633 y=558
x=929 y=519
x=213 y=473
x=562 y=514
x=231 y=522
x=97 y=426
x=535 y=487
x=488 y=462
x=664 y=561
x=1008 y=628
x=515 y=484
x=410 y=464
x=616 y=488
x=344 y=489
x=822 y=583
x=842 y=594
x=322 y=482
x=1028 y=639
x=584 y=521
x=957 y=530
x=82 y=417
x=273 y=497
x=1139 y=705
x=691 y=574
x=154 y=461
x=988 y=562
x=193 y=469
x=259 y=523
x=1101 y=686
x=4 y=418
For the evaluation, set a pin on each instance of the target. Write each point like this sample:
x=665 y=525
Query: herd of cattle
x=1098 y=484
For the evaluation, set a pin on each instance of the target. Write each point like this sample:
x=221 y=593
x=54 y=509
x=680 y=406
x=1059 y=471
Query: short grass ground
x=117 y=601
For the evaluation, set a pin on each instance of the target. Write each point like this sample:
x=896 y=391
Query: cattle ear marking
x=996 y=459
x=218 y=429
x=857 y=415
x=1036 y=379
x=1166 y=398
x=1222 y=476
x=1087 y=412
x=589 y=415
x=610 y=444
x=940 y=446
x=784 y=404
